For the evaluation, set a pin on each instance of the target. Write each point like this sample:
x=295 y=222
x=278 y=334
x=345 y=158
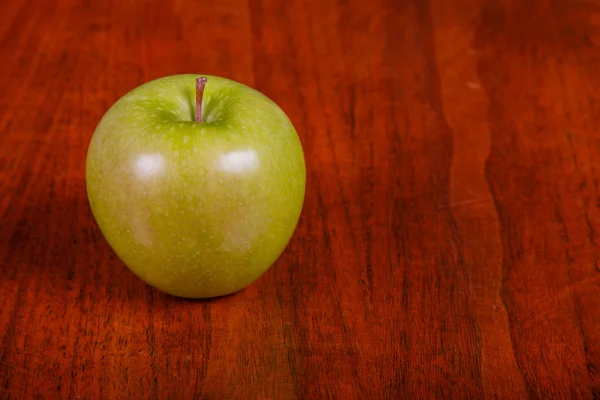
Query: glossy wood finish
x=448 y=247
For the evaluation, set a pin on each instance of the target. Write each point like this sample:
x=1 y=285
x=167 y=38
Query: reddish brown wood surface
x=448 y=246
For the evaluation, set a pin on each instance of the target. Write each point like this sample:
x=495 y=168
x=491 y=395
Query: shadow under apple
x=54 y=240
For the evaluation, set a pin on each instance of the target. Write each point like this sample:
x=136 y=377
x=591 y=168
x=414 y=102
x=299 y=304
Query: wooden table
x=449 y=241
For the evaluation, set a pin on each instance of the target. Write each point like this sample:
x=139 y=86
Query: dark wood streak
x=537 y=190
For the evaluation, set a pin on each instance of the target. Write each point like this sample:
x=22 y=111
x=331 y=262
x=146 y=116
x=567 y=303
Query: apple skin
x=196 y=210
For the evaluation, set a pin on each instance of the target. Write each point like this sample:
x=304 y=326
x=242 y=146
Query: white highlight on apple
x=239 y=161
x=149 y=165
x=142 y=232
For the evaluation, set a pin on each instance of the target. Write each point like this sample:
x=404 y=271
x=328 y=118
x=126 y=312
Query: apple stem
x=200 y=83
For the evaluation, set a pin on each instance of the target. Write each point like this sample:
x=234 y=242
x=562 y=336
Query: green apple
x=198 y=190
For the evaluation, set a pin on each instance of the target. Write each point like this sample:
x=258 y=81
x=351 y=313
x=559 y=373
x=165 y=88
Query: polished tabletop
x=449 y=242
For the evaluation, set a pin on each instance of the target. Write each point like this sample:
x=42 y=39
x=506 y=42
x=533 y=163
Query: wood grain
x=448 y=246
